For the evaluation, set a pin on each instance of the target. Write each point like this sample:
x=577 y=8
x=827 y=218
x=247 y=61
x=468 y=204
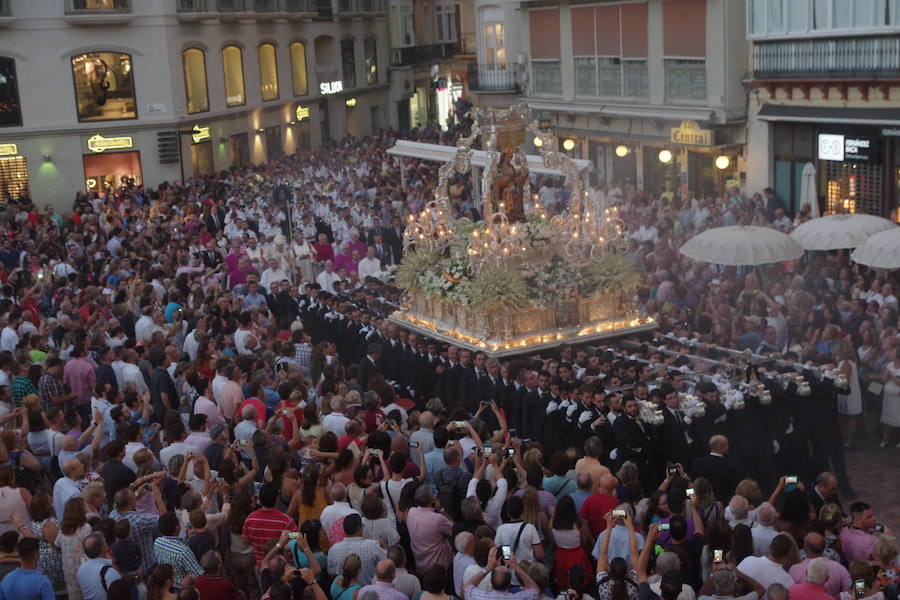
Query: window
x=268 y=72
x=371 y=61
x=195 y=89
x=446 y=22
x=403 y=30
x=298 y=69
x=10 y=110
x=783 y=17
x=348 y=64
x=233 y=63
x=493 y=46
x=104 y=86
x=121 y=5
x=685 y=79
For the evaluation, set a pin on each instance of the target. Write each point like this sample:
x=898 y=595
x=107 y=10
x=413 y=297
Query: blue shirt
x=171 y=307
x=579 y=496
x=89 y=578
x=434 y=463
x=26 y=584
x=619 y=545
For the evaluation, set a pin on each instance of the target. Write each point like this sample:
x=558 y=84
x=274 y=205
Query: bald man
x=67 y=487
x=717 y=468
x=383 y=586
x=501 y=576
x=838 y=576
x=590 y=464
x=597 y=505
x=339 y=509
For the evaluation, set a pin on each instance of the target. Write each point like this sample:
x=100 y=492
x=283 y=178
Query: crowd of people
x=201 y=397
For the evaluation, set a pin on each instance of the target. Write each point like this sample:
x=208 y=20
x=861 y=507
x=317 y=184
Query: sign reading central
x=98 y=143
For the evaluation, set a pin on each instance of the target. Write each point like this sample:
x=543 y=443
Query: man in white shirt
x=143 y=324
x=335 y=421
x=763 y=529
x=67 y=487
x=9 y=339
x=247 y=427
x=131 y=373
x=327 y=277
x=191 y=345
x=273 y=274
x=370 y=266
x=337 y=510
x=176 y=447
x=769 y=569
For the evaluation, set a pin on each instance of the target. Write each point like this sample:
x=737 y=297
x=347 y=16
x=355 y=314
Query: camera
x=672 y=470
x=148 y=487
x=511 y=452
x=618 y=513
x=718 y=555
x=690 y=493
x=789 y=479
x=663 y=527
x=859 y=588
x=506 y=552
x=293 y=535
x=413 y=444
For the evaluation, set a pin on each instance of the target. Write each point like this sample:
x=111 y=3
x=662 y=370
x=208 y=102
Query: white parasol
x=839 y=231
x=740 y=245
x=881 y=251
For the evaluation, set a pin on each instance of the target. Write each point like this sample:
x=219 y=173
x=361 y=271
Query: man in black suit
x=716 y=468
x=375 y=230
x=535 y=409
x=370 y=365
x=394 y=237
x=214 y=221
x=825 y=491
x=634 y=442
x=471 y=376
x=452 y=378
x=383 y=250
x=674 y=439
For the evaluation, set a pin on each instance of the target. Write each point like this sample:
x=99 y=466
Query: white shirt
x=240 y=341
x=765 y=571
x=191 y=345
x=270 y=276
x=245 y=430
x=335 y=423
x=132 y=374
x=182 y=448
x=63 y=490
x=762 y=537
x=494 y=505
x=217 y=383
x=370 y=267
x=326 y=280
x=9 y=339
x=142 y=327
x=333 y=512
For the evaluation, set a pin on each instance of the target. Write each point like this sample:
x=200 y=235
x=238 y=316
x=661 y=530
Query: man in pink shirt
x=230 y=395
x=838 y=577
x=430 y=532
x=80 y=376
x=814 y=587
x=857 y=539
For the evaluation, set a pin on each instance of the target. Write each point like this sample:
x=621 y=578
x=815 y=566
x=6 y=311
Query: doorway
x=202 y=158
x=108 y=172
x=326 y=126
x=240 y=150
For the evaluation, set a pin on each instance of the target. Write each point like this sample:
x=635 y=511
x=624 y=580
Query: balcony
x=494 y=79
x=94 y=12
x=195 y=10
x=828 y=58
x=416 y=55
x=350 y=8
x=6 y=17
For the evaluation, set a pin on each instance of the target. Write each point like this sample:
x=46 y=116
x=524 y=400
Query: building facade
x=825 y=91
x=649 y=90
x=94 y=93
x=432 y=46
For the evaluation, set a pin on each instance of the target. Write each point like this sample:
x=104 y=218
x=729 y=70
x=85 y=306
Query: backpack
x=449 y=497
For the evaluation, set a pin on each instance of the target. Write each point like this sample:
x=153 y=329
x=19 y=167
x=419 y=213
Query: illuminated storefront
x=13 y=172
x=111 y=163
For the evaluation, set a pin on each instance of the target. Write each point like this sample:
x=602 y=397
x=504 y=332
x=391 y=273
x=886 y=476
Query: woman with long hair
x=617 y=580
x=363 y=477
x=72 y=530
x=346 y=586
x=570 y=537
x=14 y=500
x=241 y=562
x=160 y=582
x=849 y=405
x=709 y=509
x=311 y=498
x=311 y=425
x=741 y=544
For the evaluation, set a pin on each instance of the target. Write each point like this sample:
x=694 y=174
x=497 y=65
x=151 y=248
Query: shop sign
x=98 y=143
x=350 y=102
x=8 y=149
x=689 y=133
x=890 y=132
x=302 y=112
x=199 y=134
x=331 y=87
x=837 y=147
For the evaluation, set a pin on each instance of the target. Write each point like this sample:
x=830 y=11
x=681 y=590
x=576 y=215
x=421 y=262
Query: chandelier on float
x=521 y=278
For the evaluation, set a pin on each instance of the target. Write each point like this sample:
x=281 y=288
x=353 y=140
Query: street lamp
x=665 y=156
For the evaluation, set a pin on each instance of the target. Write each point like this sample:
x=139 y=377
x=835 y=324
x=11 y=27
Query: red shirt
x=594 y=510
x=260 y=411
x=264 y=525
x=288 y=426
x=215 y=588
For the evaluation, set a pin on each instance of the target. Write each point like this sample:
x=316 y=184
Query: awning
x=827 y=114
x=661 y=113
x=439 y=153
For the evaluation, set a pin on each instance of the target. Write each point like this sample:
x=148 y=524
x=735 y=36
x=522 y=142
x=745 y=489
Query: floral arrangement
x=542 y=273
